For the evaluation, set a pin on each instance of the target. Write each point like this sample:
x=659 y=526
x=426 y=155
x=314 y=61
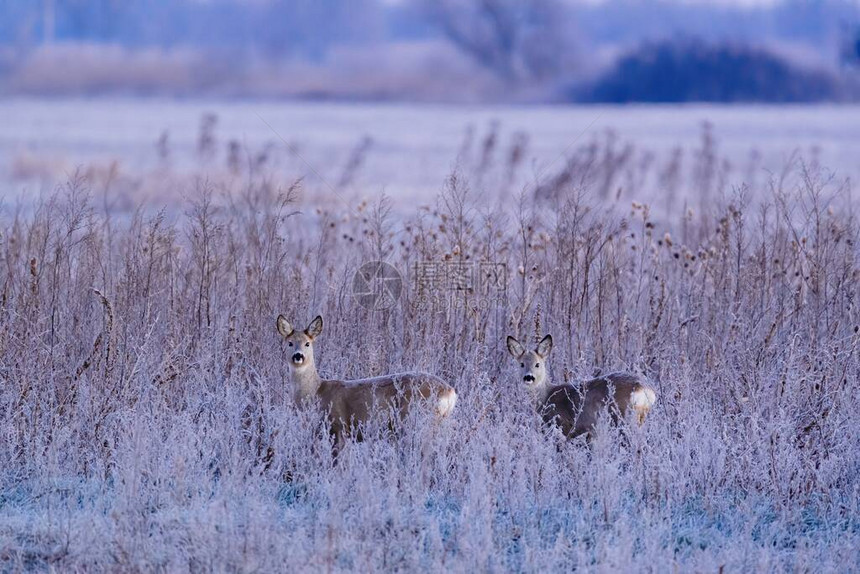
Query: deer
x=349 y=404
x=576 y=409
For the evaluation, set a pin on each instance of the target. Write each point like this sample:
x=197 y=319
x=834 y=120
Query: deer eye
x=291 y=343
x=308 y=344
x=537 y=365
x=522 y=365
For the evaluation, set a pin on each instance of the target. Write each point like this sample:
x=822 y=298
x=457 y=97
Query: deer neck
x=539 y=393
x=306 y=383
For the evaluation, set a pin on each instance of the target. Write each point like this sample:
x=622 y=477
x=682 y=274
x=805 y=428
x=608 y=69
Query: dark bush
x=850 y=48
x=693 y=71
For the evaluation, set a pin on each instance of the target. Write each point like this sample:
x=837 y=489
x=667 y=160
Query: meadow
x=146 y=415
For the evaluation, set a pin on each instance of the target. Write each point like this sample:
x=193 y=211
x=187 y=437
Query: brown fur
x=349 y=404
x=575 y=409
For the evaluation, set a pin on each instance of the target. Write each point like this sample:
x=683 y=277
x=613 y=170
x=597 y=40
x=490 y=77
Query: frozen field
x=147 y=421
x=411 y=148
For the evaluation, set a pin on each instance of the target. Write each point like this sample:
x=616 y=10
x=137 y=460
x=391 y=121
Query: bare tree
x=520 y=40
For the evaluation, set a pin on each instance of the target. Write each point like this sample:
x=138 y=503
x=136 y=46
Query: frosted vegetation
x=406 y=150
x=146 y=420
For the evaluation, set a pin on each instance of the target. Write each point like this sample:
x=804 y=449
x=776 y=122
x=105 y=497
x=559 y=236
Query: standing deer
x=350 y=403
x=575 y=409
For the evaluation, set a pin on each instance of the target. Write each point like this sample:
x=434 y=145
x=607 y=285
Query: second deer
x=575 y=409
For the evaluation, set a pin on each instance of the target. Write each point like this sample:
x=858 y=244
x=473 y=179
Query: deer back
x=351 y=402
x=576 y=408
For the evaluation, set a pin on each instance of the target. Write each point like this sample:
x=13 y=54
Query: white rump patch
x=446 y=403
x=643 y=399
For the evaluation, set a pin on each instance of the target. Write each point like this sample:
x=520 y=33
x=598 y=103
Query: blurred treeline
x=479 y=50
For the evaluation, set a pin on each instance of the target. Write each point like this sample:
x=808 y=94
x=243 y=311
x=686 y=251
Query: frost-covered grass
x=149 y=425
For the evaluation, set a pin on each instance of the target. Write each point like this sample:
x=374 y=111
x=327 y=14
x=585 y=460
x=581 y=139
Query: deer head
x=300 y=343
x=533 y=371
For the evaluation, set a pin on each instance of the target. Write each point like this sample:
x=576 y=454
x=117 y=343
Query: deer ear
x=315 y=328
x=545 y=346
x=284 y=327
x=514 y=348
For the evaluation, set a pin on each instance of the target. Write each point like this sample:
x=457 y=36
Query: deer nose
x=529 y=378
x=298 y=358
